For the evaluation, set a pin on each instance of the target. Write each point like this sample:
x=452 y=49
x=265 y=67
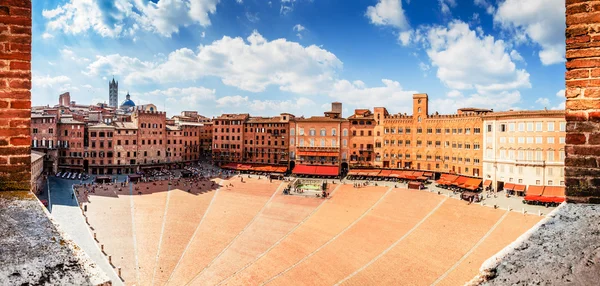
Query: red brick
x=15 y=113
x=19 y=47
x=578 y=8
x=15 y=56
x=3 y=142
x=582 y=126
x=22 y=123
x=582 y=150
x=583 y=83
x=3 y=64
x=4 y=10
x=573 y=92
x=23 y=3
x=13 y=131
x=583 y=18
x=19 y=83
x=4 y=104
x=576 y=115
x=3 y=29
x=4 y=151
x=20 y=160
x=594 y=116
x=20 y=65
x=583 y=63
x=20 y=141
x=577 y=74
x=582 y=45
x=581 y=162
x=15 y=94
x=21 y=21
x=592 y=92
x=582 y=104
x=20 y=30
x=15 y=11
x=20 y=104
x=576 y=31
x=15 y=74
x=575 y=138
x=583 y=53
x=3 y=160
x=570 y=2
x=595 y=72
x=594 y=139
x=578 y=40
x=16 y=39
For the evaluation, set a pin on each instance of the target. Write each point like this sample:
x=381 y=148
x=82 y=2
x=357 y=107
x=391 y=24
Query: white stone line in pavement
x=238 y=235
x=112 y=271
x=394 y=244
x=332 y=239
x=472 y=249
x=49 y=197
x=137 y=263
x=281 y=239
x=195 y=231
x=162 y=230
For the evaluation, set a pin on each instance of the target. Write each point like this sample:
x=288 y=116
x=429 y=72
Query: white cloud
x=70 y=55
x=203 y=34
x=250 y=65
x=232 y=101
x=124 y=17
x=560 y=106
x=357 y=94
x=48 y=81
x=445 y=6
x=466 y=59
x=454 y=93
x=388 y=13
x=252 y=17
x=47 y=36
x=542 y=21
x=489 y=8
x=561 y=93
x=298 y=28
x=190 y=98
x=405 y=37
x=258 y=106
x=516 y=56
x=543 y=101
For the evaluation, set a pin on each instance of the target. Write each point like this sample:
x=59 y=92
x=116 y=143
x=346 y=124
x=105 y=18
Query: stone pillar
x=15 y=95
x=582 y=172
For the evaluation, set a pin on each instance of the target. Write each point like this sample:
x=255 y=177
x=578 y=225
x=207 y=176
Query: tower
x=420 y=106
x=113 y=93
x=64 y=99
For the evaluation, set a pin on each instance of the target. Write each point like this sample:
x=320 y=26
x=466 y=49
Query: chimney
x=336 y=107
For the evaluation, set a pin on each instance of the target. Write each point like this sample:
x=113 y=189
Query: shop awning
x=353 y=172
x=327 y=171
x=519 y=188
x=385 y=173
x=509 y=186
x=422 y=178
x=418 y=174
x=534 y=193
x=427 y=174
x=487 y=183
x=304 y=169
x=373 y=173
x=555 y=194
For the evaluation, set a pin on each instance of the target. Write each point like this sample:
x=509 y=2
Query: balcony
x=530 y=162
x=318 y=149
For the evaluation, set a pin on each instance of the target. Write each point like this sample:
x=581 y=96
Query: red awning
x=422 y=178
x=487 y=183
x=418 y=174
x=554 y=191
x=353 y=172
x=427 y=174
x=519 y=188
x=385 y=173
x=304 y=169
x=509 y=186
x=327 y=171
x=534 y=190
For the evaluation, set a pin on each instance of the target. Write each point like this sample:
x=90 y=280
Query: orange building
x=72 y=142
x=125 y=141
x=434 y=142
x=320 y=140
x=362 y=138
x=152 y=138
x=266 y=139
x=228 y=138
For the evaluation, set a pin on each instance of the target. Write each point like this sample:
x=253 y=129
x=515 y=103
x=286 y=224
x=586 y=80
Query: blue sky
x=268 y=57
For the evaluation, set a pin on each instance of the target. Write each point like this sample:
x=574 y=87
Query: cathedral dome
x=127 y=103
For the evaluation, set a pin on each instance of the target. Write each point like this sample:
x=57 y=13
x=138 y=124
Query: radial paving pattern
x=247 y=233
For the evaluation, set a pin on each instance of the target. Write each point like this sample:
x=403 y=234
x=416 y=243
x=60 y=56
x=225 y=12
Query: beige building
x=524 y=148
x=37 y=168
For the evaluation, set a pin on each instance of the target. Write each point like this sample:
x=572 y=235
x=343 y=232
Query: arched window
x=419 y=119
x=333 y=143
x=323 y=132
x=345 y=132
x=322 y=142
x=292 y=142
x=333 y=132
x=312 y=132
x=292 y=132
x=345 y=142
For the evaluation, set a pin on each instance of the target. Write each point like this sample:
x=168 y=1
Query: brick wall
x=582 y=162
x=15 y=94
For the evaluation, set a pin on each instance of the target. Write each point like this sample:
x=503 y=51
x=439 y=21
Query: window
x=502 y=139
x=529 y=140
x=521 y=140
x=312 y=142
x=550 y=140
x=521 y=126
x=561 y=140
x=502 y=127
x=538 y=140
x=322 y=142
x=301 y=131
x=563 y=126
x=345 y=132
x=550 y=155
x=511 y=140
x=511 y=127
x=489 y=128
x=292 y=132
x=323 y=132
x=549 y=182
x=550 y=126
x=333 y=133
x=312 y=132
x=475 y=130
x=345 y=142
x=529 y=126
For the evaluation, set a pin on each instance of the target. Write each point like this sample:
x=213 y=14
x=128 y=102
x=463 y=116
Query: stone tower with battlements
x=113 y=93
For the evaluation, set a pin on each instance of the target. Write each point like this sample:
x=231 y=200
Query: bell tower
x=113 y=93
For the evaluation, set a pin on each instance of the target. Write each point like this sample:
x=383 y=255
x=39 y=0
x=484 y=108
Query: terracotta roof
x=69 y=120
x=525 y=113
x=125 y=125
x=320 y=118
x=234 y=116
x=275 y=119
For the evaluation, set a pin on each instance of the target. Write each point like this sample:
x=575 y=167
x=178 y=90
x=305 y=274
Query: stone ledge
x=35 y=252
x=562 y=249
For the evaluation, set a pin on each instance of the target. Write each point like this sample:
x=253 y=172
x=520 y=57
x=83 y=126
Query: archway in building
x=291 y=167
x=344 y=170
